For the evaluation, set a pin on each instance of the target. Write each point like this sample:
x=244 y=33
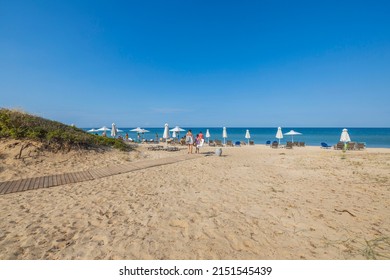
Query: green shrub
x=19 y=125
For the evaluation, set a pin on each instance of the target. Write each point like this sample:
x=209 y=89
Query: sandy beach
x=253 y=202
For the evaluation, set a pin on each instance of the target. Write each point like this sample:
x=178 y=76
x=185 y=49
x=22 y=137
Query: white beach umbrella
x=104 y=128
x=114 y=131
x=208 y=135
x=92 y=130
x=138 y=130
x=279 y=134
x=247 y=135
x=292 y=133
x=224 y=135
x=345 y=136
x=177 y=129
x=174 y=134
x=143 y=131
x=166 y=132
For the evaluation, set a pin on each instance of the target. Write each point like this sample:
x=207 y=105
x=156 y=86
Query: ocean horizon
x=312 y=136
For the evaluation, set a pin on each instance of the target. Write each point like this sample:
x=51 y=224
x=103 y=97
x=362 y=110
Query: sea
x=372 y=137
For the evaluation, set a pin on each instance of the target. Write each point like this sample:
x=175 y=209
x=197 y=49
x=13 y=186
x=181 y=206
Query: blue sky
x=198 y=63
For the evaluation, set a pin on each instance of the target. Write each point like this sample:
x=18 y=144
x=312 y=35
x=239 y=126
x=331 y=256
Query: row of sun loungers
x=349 y=146
x=229 y=143
x=289 y=145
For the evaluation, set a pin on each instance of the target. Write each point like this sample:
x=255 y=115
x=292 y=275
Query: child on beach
x=197 y=142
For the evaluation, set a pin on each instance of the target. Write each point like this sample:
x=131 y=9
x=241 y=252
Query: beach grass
x=377 y=248
x=53 y=135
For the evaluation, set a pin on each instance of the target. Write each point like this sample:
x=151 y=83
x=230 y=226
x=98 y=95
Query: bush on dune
x=53 y=135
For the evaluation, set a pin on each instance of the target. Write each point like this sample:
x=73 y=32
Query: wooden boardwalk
x=81 y=176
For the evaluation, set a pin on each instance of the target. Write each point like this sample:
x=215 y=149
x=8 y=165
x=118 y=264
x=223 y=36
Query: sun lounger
x=301 y=144
x=237 y=144
x=361 y=146
x=229 y=143
x=351 y=146
x=339 y=146
x=289 y=145
x=211 y=143
x=325 y=145
x=275 y=144
x=268 y=143
x=251 y=142
x=218 y=143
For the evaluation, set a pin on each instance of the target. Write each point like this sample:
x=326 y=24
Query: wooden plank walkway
x=81 y=176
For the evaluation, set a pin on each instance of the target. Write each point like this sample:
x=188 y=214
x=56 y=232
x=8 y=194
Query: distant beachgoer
x=189 y=140
x=156 y=137
x=197 y=142
x=138 y=137
x=127 y=137
x=104 y=134
x=201 y=135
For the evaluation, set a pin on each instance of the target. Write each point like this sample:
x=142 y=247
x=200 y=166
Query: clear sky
x=198 y=63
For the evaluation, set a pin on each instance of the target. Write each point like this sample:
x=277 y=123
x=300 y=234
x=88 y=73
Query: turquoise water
x=373 y=137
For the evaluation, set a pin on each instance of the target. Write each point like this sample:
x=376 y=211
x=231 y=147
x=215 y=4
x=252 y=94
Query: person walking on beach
x=200 y=135
x=197 y=142
x=189 y=141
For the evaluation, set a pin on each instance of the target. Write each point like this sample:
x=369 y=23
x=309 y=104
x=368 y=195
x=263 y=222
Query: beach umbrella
x=208 y=135
x=166 y=133
x=279 y=134
x=138 y=130
x=174 y=134
x=224 y=135
x=104 y=128
x=177 y=129
x=92 y=130
x=292 y=133
x=114 y=131
x=345 y=136
x=247 y=135
x=143 y=131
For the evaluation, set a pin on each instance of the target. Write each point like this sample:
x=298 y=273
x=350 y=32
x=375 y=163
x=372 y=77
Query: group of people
x=192 y=141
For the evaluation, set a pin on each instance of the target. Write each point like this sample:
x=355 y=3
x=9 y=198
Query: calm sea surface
x=373 y=137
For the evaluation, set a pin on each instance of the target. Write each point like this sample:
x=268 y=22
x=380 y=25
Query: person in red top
x=200 y=135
